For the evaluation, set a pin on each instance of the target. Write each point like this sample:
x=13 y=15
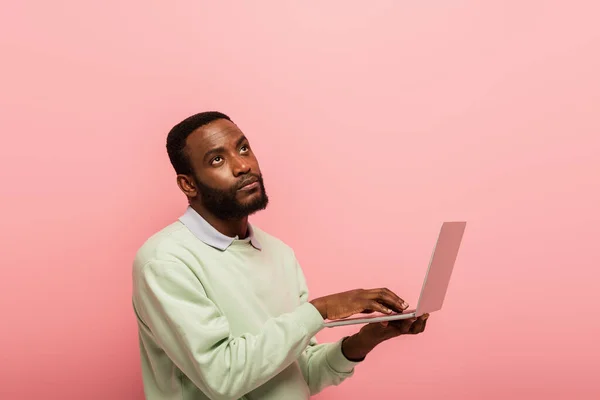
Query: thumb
x=384 y=323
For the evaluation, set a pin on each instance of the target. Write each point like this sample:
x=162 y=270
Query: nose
x=240 y=166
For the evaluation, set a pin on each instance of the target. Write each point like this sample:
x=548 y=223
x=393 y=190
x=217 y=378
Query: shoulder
x=271 y=242
x=167 y=245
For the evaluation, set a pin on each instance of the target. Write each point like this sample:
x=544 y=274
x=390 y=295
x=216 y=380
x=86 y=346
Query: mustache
x=248 y=179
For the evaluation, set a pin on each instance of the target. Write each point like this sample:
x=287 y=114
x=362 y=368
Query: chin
x=254 y=205
x=250 y=197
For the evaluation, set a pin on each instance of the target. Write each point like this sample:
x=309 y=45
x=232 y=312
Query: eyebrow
x=221 y=149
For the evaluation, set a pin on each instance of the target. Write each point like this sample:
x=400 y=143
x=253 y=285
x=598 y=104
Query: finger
x=389 y=298
x=415 y=327
x=375 y=306
x=400 y=322
x=425 y=319
x=419 y=325
x=403 y=326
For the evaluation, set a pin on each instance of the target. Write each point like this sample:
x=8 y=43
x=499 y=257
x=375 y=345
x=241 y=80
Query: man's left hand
x=357 y=347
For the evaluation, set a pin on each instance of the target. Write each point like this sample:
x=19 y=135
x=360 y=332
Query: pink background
x=373 y=125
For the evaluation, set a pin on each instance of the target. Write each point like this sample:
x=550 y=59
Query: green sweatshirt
x=224 y=318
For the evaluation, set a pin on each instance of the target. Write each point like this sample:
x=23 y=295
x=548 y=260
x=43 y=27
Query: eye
x=244 y=149
x=216 y=160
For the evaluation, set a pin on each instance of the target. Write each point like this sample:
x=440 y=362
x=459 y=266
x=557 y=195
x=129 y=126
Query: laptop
x=435 y=284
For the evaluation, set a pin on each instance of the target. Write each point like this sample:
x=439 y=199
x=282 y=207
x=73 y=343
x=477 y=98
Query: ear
x=187 y=185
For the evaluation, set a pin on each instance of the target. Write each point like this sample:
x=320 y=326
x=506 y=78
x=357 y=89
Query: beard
x=224 y=204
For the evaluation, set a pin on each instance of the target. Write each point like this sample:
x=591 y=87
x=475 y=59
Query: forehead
x=219 y=133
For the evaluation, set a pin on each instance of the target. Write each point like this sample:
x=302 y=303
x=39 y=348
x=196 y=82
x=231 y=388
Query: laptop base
x=371 y=319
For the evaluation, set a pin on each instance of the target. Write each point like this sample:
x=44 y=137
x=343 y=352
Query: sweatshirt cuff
x=310 y=318
x=337 y=361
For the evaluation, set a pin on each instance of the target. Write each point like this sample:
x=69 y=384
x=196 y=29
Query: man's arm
x=196 y=336
x=324 y=364
x=359 y=345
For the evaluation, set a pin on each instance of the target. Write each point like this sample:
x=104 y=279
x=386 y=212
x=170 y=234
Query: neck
x=231 y=228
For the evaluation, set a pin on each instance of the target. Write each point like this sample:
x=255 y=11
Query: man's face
x=226 y=173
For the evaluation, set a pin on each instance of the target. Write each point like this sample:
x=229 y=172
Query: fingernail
x=404 y=305
x=387 y=310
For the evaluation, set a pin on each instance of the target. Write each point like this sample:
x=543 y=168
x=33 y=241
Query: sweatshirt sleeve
x=196 y=336
x=323 y=364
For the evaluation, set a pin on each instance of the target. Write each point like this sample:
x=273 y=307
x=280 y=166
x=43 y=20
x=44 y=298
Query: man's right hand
x=345 y=304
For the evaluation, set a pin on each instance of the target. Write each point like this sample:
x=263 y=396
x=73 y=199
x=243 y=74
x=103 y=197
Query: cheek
x=255 y=165
x=216 y=178
x=223 y=181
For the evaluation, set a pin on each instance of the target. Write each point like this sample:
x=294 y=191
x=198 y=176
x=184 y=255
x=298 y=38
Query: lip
x=250 y=186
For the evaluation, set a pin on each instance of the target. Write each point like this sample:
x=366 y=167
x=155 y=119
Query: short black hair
x=178 y=135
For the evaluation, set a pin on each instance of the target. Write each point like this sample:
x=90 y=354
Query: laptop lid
x=440 y=267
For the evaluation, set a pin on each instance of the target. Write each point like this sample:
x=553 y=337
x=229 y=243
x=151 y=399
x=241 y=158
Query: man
x=222 y=307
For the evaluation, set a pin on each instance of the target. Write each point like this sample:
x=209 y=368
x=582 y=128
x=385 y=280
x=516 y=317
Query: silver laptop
x=435 y=284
